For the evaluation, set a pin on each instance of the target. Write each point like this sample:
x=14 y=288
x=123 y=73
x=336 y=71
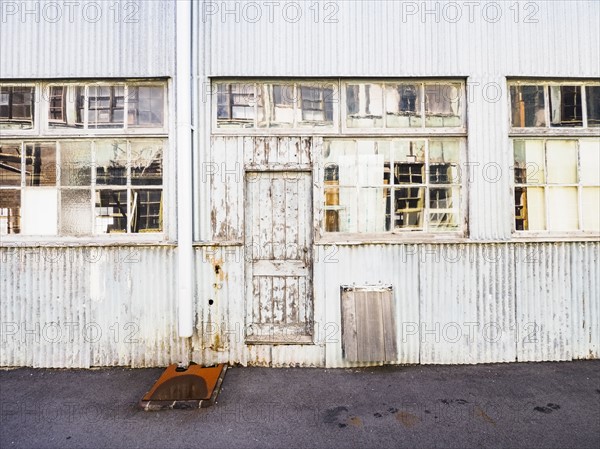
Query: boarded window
x=368 y=324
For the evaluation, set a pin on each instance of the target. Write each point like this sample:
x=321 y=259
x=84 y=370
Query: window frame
x=548 y=133
x=42 y=133
x=86 y=130
x=36 y=113
x=401 y=235
x=548 y=130
x=296 y=129
x=527 y=235
x=408 y=131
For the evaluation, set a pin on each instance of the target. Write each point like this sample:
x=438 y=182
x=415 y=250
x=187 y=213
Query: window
x=557 y=184
x=556 y=153
x=102 y=106
x=276 y=104
x=71 y=179
x=392 y=149
x=435 y=104
x=16 y=106
x=81 y=187
x=554 y=104
x=390 y=184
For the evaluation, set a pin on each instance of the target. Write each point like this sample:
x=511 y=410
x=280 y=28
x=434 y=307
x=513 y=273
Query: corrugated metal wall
x=78 y=307
x=391 y=38
x=87 y=39
x=468 y=303
x=488 y=300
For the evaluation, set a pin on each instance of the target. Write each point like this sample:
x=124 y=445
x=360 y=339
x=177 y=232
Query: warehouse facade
x=299 y=184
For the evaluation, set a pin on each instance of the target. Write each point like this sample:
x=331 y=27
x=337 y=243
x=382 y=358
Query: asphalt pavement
x=518 y=405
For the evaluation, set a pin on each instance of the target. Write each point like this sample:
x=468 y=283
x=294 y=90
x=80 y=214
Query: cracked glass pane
x=111 y=162
x=146 y=162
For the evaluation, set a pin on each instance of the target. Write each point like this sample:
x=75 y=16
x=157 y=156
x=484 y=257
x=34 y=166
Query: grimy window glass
x=557 y=185
x=94 y=166
x=375 y=185
x=16 y=107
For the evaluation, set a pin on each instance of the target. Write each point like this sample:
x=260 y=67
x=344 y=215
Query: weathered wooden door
x=278 y=239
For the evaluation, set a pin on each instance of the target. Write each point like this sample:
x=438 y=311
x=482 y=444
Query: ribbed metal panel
x=383 y=38
x=396 y=265
x=88 y=39
x=469 y=303
x=557 y=301
x=89 y=306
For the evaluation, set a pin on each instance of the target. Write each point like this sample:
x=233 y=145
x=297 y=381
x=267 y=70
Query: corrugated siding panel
x=89 y=306
x=557 y=301
x=377 y=38
x=104 y=39
x=467 y=304
x=370 y=265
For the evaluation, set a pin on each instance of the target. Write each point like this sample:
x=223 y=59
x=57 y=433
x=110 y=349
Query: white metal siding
x=381 y=38
x=100 y=40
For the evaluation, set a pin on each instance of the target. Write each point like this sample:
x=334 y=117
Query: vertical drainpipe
x=185 y=265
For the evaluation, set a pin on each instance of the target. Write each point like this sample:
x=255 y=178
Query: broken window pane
x=561 y=159
x=106 y=106
x=590 y=204
x=10 y=212
x=565 y=106
x=146 y=162
x=111 y=211
x=364 y=106
x=563 y=213
x=408 y=208
x=16 y=107
x=530 y=209
x=67 y=106
x=316 y=103
x=529 y=162
x=443 y=161
x=40 y=164
x=403 y=106
x=111 y=162
x=442 y=105
x=592 y=94
x=146 y=210
x=406 y=151
x=589 y=154
x=276 y=105
x=146 y=106
x=75 y=163
x=75 y=212
x=527 y=106
x=443 y=208
x=235 y=105
x=10 y=164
